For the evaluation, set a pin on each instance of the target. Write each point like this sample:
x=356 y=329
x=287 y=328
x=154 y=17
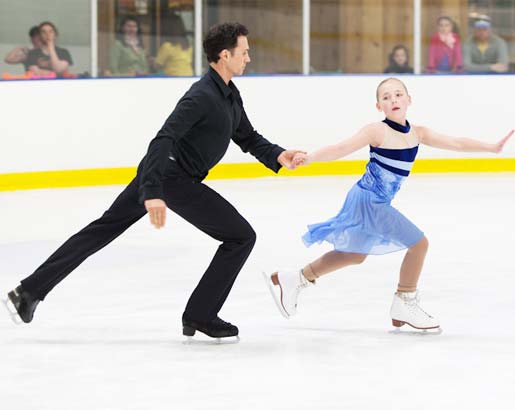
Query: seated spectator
x=175 y=56
x=18 y=55
x=48 y=60
x=398 y=61
x=484 y=52
x=127 y=55
x=445 y=48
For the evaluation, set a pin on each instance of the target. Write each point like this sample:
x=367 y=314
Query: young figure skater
x=367 y=224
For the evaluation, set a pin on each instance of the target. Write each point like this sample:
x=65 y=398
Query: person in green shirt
x=127 y=56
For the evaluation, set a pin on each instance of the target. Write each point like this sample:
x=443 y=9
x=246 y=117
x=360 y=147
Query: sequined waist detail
x=385 y=184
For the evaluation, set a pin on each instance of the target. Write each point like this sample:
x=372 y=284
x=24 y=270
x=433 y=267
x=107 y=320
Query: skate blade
x=275 y=296
x=418 y=331
x=13 y=314
x=190 y=340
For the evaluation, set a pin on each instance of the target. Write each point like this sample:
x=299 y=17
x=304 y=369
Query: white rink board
x=82 y=124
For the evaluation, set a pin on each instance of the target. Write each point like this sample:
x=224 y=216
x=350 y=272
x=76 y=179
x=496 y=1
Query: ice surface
x=109 y=336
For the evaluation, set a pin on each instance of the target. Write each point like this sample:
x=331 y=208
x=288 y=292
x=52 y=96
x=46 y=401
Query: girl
x=398 y=61
x=367 y=224
x=445 y=48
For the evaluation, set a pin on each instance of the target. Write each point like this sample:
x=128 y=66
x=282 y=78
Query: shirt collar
x=226 y=90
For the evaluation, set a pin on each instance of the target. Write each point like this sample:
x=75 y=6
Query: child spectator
x=445 y=48
x=398 y=61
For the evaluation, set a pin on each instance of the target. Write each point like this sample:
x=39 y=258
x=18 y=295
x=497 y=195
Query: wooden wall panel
x=275 y=32
x=326 y=36
x=106 y=30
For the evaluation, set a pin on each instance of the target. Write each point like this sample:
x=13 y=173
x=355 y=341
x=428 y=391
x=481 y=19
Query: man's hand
x=156 y=209
x=300 y=158
x=286 y=158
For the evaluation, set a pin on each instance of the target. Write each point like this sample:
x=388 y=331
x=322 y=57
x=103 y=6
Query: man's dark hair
x=222 y=37
x=34 y=31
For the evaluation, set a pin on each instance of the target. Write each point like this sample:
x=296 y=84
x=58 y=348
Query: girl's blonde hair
x=385 y=81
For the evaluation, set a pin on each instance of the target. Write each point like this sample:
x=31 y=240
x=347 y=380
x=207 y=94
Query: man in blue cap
x=485 y=52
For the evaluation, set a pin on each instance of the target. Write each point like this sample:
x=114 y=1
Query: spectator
x=175 y=56
x=485 y=52
x=18 y=55
x=49 y=59
x=127 y=56
x=398 y=61
x=445 y=48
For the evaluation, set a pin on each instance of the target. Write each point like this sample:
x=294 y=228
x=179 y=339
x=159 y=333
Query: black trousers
x=193 y=201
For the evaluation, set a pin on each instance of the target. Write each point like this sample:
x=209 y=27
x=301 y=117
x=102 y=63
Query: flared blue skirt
x=366 y=224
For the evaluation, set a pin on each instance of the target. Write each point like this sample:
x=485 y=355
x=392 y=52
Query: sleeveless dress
x=367 y=223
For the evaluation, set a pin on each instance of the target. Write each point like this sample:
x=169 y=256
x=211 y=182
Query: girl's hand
x=301 y=158
x=498 y=147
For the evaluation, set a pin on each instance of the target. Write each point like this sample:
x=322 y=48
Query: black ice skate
x=217 y=328
x=20 y=305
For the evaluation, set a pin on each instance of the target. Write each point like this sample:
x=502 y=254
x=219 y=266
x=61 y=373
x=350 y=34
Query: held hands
x=300 y=158
x=156 y=209
x=498 y=147
x=286 y=158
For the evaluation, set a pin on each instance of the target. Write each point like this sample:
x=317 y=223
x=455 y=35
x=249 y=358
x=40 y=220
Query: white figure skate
x=285 y=287
x=406 y=310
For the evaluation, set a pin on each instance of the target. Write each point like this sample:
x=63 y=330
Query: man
x=18 y=55
x=49 y=59
x=485 y=52
x=193 y=139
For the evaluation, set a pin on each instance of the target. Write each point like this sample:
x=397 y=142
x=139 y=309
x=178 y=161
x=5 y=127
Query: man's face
x=47 y=33
x=36 y=41
x=482 y=34
x=239 y=58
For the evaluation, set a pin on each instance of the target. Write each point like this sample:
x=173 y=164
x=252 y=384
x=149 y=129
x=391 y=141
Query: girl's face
x=400 y=57
x=444 y=26
x=393 y=99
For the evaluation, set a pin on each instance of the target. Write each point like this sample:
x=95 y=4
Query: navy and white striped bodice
x=388 y=167
x=398 y=161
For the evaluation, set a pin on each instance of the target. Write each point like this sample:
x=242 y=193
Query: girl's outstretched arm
x=372 y=134
x=436 y=140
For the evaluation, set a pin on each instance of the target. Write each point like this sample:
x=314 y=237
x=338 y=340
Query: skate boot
x=21 y=305
x=406 y=310
x=285 y=287
x=216 y=328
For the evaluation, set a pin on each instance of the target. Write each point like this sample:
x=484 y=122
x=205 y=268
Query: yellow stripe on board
x=115 y=176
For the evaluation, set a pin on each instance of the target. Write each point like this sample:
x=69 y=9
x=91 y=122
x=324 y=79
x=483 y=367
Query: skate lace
x=413 y=304
x=304 y=283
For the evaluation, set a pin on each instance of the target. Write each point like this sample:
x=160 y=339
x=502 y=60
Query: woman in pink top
x=445 y=49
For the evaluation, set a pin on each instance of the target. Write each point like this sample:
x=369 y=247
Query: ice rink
x=109 y=336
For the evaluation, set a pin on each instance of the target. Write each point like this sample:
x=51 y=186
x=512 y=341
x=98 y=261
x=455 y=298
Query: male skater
x=193 y=140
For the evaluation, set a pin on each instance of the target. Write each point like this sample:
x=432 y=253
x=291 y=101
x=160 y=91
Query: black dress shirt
x=197 y=134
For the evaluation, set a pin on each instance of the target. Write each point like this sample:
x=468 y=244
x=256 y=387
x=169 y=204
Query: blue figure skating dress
x=367 y=223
